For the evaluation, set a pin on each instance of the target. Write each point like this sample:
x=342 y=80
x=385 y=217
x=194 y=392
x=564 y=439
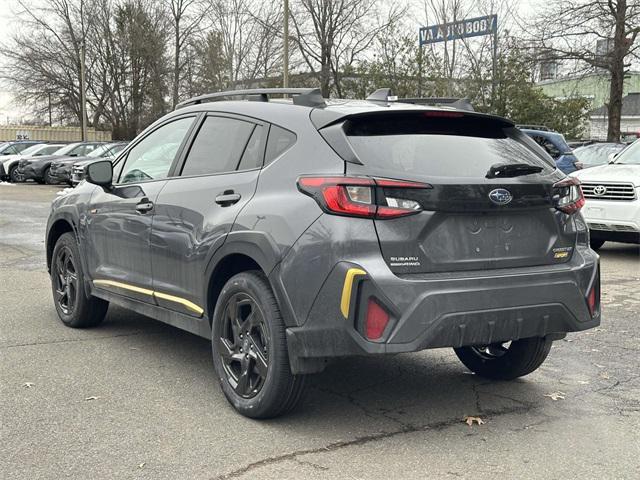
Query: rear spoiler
x=459 y=103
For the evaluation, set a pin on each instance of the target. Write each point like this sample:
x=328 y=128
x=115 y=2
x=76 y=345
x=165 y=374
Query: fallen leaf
x=604 y=375
x=469 y=420
x=142 y=464
x=555 y=396
x=28 y=384
x=92 y=398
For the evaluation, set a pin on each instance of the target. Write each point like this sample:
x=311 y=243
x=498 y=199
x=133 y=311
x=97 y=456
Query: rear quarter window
x=456 y=146
x=280 y=140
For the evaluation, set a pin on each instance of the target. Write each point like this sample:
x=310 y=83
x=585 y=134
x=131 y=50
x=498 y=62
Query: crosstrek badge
x=562 y=252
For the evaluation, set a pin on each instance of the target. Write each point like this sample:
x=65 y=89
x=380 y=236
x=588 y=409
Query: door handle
x=229 y=197
x=144 y=206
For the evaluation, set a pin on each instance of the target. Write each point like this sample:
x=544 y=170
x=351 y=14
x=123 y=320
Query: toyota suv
x=612 y=194
x=293 y=231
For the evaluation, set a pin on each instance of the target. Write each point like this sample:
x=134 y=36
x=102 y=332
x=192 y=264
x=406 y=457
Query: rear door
x=196 y=210
x=469 y=221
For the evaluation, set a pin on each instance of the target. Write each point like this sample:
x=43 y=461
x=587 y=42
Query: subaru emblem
x=500 y=196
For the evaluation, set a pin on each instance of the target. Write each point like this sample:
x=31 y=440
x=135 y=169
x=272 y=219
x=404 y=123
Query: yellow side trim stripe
x=144 y=291
x=346 y=289
x=182 y=301
x=124 y=286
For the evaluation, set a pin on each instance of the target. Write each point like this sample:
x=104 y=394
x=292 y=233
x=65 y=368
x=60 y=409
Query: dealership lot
x=138 y=399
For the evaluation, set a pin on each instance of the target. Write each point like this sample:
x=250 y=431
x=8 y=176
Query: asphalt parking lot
x=138 y=399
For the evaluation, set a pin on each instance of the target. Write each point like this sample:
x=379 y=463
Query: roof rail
x=307 y=97
x=460 y=103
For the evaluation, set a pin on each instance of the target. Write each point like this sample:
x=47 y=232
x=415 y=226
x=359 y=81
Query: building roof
x=630 y=107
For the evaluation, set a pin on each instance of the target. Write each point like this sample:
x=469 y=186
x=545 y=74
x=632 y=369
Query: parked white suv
x=612 y=194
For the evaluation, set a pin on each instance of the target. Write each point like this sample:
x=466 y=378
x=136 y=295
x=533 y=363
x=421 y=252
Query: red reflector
x=593 y=297
x=377 y=320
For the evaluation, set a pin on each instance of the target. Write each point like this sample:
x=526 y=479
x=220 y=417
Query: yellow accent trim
x=346 y=289
x=182 y=301
x=144 y=291
x=124 y=286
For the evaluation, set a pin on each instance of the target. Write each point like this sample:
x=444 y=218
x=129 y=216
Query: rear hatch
x=474 y=213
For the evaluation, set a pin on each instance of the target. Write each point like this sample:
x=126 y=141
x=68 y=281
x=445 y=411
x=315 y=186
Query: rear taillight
x=567 y=195
x=377 y=320
x=361 y=196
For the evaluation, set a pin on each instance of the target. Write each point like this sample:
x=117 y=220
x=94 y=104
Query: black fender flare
x=262 y=249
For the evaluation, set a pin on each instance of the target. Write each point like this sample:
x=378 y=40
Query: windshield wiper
x=503 y=170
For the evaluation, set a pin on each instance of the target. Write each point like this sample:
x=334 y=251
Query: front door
x=119 y=219
x=196 y=210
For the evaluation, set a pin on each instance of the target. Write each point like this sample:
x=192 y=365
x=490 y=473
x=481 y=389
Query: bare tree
x=186 y=20
x=44 y=56
x=332 y=34
x=569 y=29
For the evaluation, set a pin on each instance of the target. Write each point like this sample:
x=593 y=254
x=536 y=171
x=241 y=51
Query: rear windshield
x=460 y=146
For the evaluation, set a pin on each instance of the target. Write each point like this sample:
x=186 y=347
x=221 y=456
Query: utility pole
x=285 y=74
x=83 y=94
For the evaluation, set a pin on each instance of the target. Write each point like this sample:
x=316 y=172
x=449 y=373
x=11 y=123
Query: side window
x=12 y=150
x=152 y=157
x=218 y=146
x=549 y=147
x=279 y=141
x=252 y=156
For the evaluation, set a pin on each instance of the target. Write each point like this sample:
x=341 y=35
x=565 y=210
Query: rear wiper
x=501 y=170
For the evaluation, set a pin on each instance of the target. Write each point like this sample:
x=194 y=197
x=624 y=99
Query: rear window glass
x=464 y=146
x=279 y=141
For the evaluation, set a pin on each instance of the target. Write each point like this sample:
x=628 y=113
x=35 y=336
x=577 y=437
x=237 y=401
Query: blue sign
x=472 y=27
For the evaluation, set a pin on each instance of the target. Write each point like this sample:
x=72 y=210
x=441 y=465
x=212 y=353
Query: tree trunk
x=614 y=108
x=176 y=67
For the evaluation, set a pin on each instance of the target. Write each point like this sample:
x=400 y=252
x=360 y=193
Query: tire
x=45 y=176
x=253 y=369
x=14 y=176
x=506 y=363
x=75 y=309
x=596 y=243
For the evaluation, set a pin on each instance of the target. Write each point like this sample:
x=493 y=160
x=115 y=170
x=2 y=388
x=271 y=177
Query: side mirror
x=100 y=173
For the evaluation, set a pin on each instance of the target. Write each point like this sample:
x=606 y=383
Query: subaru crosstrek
x=291 y=232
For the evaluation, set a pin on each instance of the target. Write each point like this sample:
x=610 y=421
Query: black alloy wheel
x=243 y=345
x=15 y=176
x=66 y=280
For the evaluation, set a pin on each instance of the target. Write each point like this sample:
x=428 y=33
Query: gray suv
x=294 y=231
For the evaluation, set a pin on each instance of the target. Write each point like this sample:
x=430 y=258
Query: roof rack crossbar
x=308 y=97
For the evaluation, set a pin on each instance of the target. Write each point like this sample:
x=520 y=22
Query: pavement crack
x=440 y=425
x=73 y=340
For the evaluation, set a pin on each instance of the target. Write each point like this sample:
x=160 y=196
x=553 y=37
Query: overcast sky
x=10 y=112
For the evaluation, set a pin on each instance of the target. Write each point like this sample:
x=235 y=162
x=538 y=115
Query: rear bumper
x=431 y=311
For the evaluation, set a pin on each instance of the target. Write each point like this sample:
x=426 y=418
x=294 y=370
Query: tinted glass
x=252 y=156
x=218 y=146
x=21 y=147
x=279 y=141
x=152 y=157
x=439 y=146
x=48 y=150
x=11 y=150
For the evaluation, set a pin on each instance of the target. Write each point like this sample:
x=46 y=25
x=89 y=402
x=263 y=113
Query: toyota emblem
x=599 y=190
